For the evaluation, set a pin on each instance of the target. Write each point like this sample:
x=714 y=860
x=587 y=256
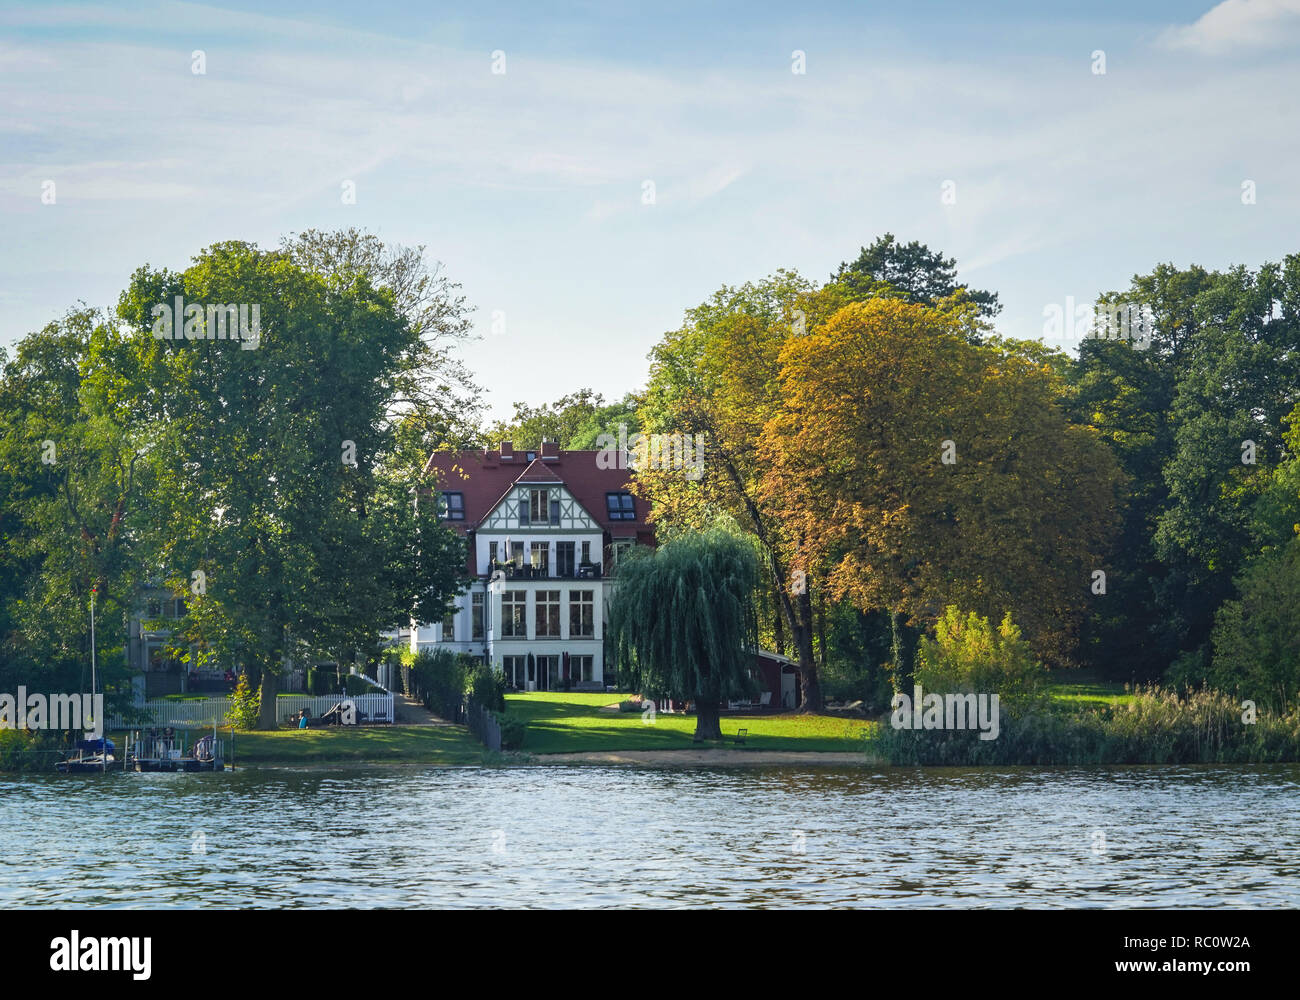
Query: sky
x=983 y=130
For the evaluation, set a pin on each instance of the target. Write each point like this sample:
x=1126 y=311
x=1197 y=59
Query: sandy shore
x=697 y=758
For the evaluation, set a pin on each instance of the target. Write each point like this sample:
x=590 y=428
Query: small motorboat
x=90 y=757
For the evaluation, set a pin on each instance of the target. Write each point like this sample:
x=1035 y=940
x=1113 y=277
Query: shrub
x=1158 y=727
x=487 y=687
x=321 y=681
x=245 y=705
x=406 y=660
x=437 y=678
x=354 y=685
x=513 y=730
x=28 y=751
x=968 y=655
x=629 y=706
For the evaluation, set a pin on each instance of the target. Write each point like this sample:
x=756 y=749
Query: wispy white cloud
x=522 y=182
x=1238 y=24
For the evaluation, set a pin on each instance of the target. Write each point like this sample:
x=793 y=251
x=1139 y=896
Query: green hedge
x=322 y=681
x=513 y=730
x=354 y=685
x=487 y=687
x=437 y=679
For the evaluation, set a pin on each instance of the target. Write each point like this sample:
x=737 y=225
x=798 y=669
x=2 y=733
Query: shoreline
x=686 y=758
x=691 y=757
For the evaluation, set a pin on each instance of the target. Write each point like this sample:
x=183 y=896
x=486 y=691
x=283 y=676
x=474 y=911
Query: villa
x=546 y=531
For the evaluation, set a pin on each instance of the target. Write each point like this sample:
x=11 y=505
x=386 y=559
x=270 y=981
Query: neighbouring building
x=155 y=671
x=546 y=531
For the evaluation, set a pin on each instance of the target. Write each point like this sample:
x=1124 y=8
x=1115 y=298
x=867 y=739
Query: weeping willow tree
x=682 y=623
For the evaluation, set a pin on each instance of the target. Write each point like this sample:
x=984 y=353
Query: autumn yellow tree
x=719 y=376
x=923 y=470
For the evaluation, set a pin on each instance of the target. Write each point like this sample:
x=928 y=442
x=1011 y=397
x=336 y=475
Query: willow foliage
x=682 y=621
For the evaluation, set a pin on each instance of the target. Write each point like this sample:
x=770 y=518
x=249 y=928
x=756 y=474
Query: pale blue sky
x=528 y=185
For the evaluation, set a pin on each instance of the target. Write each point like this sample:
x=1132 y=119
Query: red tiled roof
x=541 y=472
x=483 y=479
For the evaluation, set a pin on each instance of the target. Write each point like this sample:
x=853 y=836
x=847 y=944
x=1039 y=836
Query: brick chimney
x=550 y=450
x=507 y=451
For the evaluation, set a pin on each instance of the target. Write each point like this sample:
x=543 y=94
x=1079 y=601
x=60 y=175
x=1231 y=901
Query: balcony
x=582 y=571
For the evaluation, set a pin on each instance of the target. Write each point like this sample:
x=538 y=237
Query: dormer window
x=453 y=506
x=539 y=506
x=620 y=506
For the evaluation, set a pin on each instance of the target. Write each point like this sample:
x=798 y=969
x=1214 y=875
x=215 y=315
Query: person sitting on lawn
x=302 y=719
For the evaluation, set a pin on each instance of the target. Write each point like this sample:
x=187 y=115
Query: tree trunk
x=708 y=720
x=800 y=622
x=803 y=634
x=821 y=634
x=266 y=718
x=778 y=624
x=904 y=651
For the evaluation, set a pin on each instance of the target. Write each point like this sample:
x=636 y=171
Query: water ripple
x=617 y=837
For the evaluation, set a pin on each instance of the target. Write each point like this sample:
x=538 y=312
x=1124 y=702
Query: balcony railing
x=582 y=571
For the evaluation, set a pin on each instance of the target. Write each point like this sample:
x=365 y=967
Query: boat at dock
x=165 y=750
x=95 y=756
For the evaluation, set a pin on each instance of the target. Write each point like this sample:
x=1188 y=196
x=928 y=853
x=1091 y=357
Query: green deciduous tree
x=73 y=496
x=574 y=421
x=1256 y=640
x=1222 y=368
x=276 y=466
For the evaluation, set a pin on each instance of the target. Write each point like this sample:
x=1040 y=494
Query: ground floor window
x=514 y=608
x=580 y=667
x=515 y=668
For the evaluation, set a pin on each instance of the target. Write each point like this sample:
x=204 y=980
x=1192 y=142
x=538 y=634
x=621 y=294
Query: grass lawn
x=571 y=722
x=1075 y=691
x=370 y=745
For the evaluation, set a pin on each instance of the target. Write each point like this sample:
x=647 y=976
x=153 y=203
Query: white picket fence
x=377 y=707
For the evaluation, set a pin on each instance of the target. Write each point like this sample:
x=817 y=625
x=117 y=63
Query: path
x=409 y=712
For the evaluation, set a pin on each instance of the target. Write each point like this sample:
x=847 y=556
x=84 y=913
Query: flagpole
x=92 y=645
x=103 y=747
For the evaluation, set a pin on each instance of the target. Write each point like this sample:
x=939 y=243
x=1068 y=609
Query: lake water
x=607 y=836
